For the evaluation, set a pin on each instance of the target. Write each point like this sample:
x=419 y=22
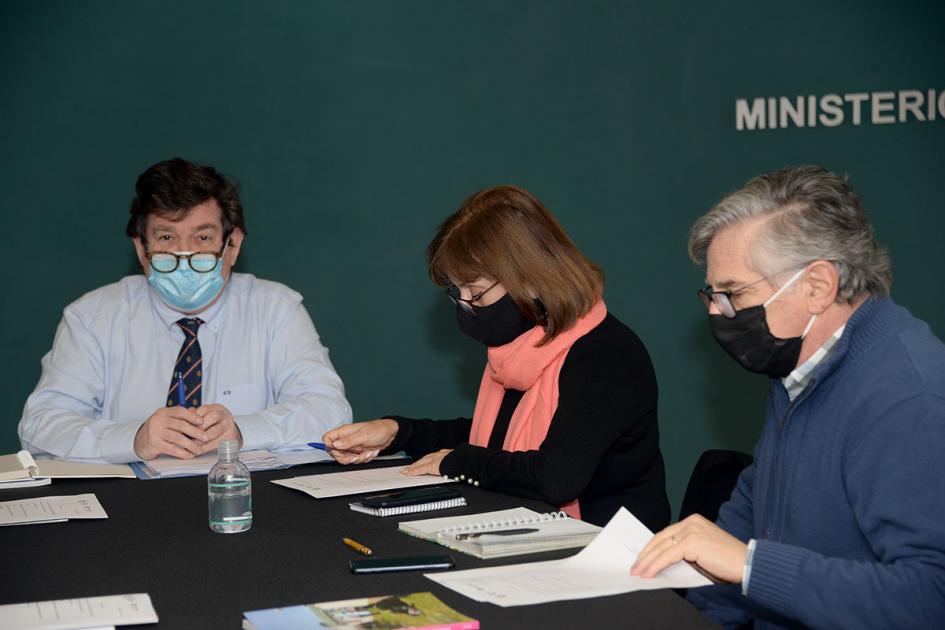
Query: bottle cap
x=228 y=447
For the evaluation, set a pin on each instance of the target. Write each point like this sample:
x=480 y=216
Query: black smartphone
x=411 y=563
x=411 y=496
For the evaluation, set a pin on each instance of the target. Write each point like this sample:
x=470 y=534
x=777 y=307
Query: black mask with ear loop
x=497 y=324
x=747 y=339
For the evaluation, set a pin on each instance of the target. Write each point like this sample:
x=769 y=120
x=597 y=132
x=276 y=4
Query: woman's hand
x=360 y=442
x=429 y=464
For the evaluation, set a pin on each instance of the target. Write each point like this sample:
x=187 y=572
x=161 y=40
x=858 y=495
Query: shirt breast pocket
x=242 y=399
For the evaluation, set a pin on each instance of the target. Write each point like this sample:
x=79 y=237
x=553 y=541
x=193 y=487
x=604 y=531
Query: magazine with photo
x=387 y=612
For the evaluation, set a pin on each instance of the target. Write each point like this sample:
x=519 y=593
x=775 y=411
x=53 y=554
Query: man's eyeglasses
x=723 y=299
x=467 y=304
x=201 y=262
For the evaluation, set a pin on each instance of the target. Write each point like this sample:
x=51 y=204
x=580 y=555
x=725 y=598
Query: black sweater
x=602 y=446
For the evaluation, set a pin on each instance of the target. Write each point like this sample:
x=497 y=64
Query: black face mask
x=496 y=324
x=748 y=340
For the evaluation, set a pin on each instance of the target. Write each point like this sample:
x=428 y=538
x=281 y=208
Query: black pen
x=497 y=532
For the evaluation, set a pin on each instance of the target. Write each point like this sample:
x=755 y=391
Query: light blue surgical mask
x=186 y=290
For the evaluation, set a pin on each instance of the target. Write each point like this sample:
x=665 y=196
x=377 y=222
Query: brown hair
x=172 y=187
x=506 y=234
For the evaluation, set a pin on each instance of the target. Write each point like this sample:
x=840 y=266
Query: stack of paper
x=601 y=568
x=88 y=612
x=50 y=509
x=358 y=482
x=164 y=467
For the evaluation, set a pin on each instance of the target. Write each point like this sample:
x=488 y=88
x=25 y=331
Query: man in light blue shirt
x=173 y=361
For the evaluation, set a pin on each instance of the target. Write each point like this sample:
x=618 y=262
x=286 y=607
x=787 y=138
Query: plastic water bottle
x=230 y=491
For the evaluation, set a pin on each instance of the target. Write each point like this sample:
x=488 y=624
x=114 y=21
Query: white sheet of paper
x=86 y=612
x=47 y=509
x=358 y=482
x=601 y=568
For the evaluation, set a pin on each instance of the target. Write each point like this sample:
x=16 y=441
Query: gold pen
x=357 y=546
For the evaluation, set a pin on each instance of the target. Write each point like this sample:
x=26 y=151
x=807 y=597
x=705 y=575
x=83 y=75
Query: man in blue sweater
x=840 y=521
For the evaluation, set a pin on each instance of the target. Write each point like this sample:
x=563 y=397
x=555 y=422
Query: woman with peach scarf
x=566 y=410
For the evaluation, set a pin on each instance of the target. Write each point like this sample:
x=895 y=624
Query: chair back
x=712 y=481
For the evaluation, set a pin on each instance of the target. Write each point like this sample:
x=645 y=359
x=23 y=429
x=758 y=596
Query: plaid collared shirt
x=796 y=381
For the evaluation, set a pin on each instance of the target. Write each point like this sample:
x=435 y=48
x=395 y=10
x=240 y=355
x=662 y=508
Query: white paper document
x=601 y=568
x=87 y=612
x=358 y=482
x=50 y=510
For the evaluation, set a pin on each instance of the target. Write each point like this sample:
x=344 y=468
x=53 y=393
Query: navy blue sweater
x=846 y=497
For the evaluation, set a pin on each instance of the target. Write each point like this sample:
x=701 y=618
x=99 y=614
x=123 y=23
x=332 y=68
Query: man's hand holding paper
x=695 y=540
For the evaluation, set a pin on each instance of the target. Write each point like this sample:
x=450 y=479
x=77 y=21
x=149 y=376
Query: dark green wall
x=355 y=127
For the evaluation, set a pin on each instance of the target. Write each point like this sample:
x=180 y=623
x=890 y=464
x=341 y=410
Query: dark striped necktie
x=188 y=370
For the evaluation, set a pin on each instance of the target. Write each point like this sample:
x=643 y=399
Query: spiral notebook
x=409 y=509
x=504 y=533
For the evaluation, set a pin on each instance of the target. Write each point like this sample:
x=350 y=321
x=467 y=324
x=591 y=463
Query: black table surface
x=156 y=541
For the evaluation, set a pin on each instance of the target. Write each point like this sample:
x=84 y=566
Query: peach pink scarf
x=521 y=365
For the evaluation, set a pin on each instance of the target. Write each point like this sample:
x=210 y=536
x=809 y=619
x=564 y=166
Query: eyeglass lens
x=166 y=262
x=721 y=301
x=454 y=294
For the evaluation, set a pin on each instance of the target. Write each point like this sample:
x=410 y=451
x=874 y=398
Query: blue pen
x=321 y=446
x=181 y=397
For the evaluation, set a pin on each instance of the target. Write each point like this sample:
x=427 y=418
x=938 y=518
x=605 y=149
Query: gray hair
x=812 y=214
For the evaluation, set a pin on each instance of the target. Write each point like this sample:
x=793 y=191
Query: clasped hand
x=184 y=432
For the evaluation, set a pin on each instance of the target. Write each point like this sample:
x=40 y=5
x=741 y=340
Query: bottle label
x=231 y=505
x=234 y=520
x=230 y=485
